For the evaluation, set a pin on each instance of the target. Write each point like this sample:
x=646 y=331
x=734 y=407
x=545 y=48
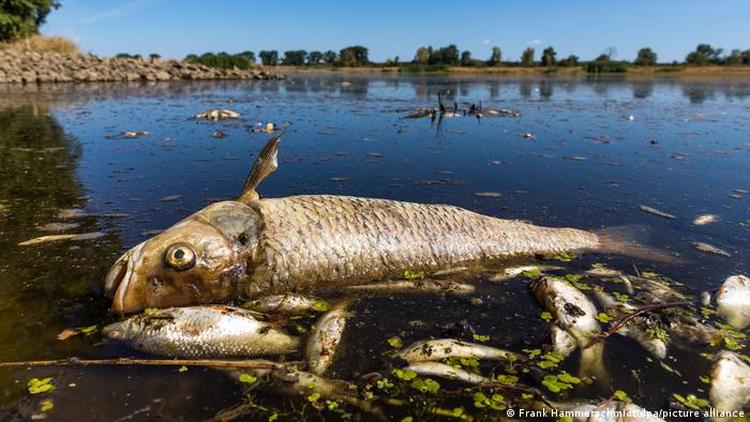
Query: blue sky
x=397 y=28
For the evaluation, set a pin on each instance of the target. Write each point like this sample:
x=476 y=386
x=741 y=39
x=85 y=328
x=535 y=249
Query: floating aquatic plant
x=691 y=401
x=40 y=386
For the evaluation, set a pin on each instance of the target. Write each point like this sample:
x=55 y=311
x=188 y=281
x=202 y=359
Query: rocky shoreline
x=32 y=67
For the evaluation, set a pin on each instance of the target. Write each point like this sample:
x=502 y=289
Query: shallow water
x=686 y=152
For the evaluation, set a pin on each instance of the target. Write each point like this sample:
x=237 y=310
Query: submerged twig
x=627 y=318
x=242 y=364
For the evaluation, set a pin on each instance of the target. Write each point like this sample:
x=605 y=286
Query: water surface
x=601 y=149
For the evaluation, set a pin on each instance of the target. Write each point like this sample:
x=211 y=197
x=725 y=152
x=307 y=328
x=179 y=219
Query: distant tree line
x=427 y=58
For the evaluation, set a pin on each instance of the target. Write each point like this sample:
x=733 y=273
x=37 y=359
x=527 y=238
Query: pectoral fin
x=266 y=163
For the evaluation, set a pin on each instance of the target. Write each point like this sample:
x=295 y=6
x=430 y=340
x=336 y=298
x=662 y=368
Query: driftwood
x=649 y=308
x=239 y=364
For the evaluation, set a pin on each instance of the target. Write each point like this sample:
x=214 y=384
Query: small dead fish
x=58 y=227
x=217 y=114
x=429 y=285
x=511 y=272
x=603 y=272
x=645 y=332
x=502 y=112
x=704 y=219
x=200 y=332
x=218 y=134
x=58 y=237
x=527 y=135
x=656 y=212
x=571 y=309
x=170 y=198
x=71 y=213
x=441 y=370
x=289 y=304
x=439 y=349
x=730 y=382
x=487 y=194
x=733 y=301
x=608 y=411
x=705 y=247
x=324 y=340
x=129 y=134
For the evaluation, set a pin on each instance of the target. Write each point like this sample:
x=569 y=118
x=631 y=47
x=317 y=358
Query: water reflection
x=48 y=287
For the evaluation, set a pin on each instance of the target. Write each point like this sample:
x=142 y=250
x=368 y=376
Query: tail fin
x=266 y=163
x=624 y=240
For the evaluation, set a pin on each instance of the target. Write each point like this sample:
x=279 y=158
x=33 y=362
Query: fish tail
x=627 y=241
x=266 y=163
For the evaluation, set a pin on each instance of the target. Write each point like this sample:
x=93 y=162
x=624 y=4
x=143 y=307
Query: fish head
x=125 y=330
x=201 y=259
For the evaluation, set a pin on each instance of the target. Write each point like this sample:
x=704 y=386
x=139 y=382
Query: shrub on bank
x=220 y=60
x=42 y=44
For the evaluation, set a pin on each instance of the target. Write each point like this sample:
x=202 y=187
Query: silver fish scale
x=200 y=333
x=318 y=238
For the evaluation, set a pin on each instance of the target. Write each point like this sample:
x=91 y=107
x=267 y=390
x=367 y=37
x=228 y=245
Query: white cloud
x=124 y=9
x=485 y=41
x=534 y=42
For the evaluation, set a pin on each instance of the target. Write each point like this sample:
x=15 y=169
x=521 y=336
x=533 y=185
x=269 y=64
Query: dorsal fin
x=266 y=163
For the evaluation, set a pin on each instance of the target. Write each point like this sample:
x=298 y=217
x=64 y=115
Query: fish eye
x=180 y=256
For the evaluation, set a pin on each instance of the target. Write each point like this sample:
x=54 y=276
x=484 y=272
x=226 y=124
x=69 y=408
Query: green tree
x=249 y=55
x=445 y=55
x=527 y=57
x=549 y=56
x=314 y=57
x=704 y=54
x=329 y=57
x=745 y=57
x=569 y=61
x=21 y=18
x=154 y=57
x=269 y=57
x=496 y=57
x=354 y=56
x=466 y=58
x=294 y=57
x=646 y=57
x=734 y=57
x=422 y=56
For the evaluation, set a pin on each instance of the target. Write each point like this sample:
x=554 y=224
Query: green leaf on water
x=532 y=352
x=705 y=379
x=707 y=312
x=46 y=405
x=384 y=384
x=406 y=375
x=621 y=297
x=621 y=395
x=274 y=417
x=407 y=419
x=314 y=397
x=509 y=380
x=597 y=265
x=413 y=275
x=395 y=342
x=480 y=338
x=183 y=368
x=321 y=306
x=573 y=278
x=469 y=362
x=248 y=378
x=566 y=377
x=40 y=386
x=649 y=274
x=603 y=317
x=532 y=274
x=88 y=330
x=565 y=256
x=546 y=316
x=426 y=385
x=691 y=401
x=150 y=311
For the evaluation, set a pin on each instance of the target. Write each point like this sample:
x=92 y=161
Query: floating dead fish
x=704 y=219
x=648 y=333
x=59 y=237
x=441 y=370
x=656 y=212
x=730 y=383
x=170 y=198
x=429 y=285
x=502 y=112
x=58 y=227
x=439 y=349
x=72 y=213
x=705 y=247
x=218 y=134
x=608 y=411
x=323 y=342
x=733 y=301
x=202 y=332
x=511 y=272
x=603 y=272
x=527 y=135
x=488 y=194
x=272 y=245
x=217 y=114
x=289 y=304
x=130 y=134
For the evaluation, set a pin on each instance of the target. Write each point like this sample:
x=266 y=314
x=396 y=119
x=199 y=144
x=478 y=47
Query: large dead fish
x=733 y=301
x=730 y=384
x=252 y=246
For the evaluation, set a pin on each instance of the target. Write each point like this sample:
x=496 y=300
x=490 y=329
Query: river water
x=601 y=148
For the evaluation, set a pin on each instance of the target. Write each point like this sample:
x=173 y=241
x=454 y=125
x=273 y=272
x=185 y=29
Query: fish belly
x=340 y=239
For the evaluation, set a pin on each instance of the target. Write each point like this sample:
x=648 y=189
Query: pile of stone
x=33 y=67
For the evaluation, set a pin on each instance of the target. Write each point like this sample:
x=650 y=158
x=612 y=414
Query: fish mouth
x=121 y=283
